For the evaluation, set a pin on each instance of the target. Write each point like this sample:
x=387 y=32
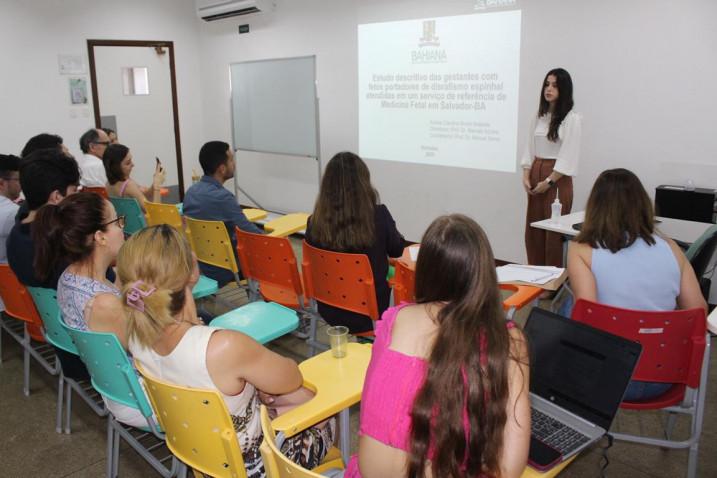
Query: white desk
x=712 y=322
x=678 y=229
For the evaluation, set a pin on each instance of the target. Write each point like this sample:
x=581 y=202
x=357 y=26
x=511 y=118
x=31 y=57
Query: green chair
x=204 y=287
x=700 y=255
x=115 y=378
x=262 y=321
x=46 y=303
x=132 y=212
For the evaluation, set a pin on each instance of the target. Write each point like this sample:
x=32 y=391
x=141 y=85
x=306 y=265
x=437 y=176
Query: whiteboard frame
x=237 y=187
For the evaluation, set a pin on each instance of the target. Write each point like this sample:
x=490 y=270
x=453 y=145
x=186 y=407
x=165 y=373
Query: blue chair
x=132 y=212
x=204 y=287
x=115 y=378
x=262 y=321
x=46 y=303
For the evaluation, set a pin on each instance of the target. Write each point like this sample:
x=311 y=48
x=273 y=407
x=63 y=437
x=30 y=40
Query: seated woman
x=446 y=391
x=156 y=268
x=118 y=166
x=620 y=259
x=84 y=231
x=348 y=217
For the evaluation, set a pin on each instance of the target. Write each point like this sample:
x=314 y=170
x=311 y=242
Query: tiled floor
x=29 y=446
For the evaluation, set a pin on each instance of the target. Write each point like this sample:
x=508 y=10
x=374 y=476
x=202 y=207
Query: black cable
x=605 y=461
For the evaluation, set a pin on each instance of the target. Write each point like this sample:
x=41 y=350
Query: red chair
x=97 y=190
x=675 y=350
x=27 y=329
x=404 y=290
x=338 y=279
x=269 y=264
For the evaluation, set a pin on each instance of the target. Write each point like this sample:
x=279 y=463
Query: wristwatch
x=551 y=183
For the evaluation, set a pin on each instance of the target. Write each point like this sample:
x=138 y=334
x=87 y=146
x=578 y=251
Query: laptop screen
x=579 y=368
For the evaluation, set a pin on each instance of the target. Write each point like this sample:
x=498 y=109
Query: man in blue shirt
x=210 y=201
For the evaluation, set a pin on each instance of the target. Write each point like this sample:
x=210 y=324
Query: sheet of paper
x=530 y=274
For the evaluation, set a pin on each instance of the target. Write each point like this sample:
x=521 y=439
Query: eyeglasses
x=10 y=179
x=120 y=222
x=106 y=143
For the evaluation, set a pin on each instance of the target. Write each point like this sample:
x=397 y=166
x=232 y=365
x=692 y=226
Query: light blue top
x=73 y=293
x=640 y=277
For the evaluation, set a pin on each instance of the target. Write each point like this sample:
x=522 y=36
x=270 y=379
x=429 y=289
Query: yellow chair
x=210 y=242
x=158 y=213
x=279 y=466
x=255 y=214
x=198 y=427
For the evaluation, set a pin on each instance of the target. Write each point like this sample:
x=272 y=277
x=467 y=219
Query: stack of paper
x=537 y=275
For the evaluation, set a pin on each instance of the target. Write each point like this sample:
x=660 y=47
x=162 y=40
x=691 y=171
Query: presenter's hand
x=526 y=185
x=541 y=187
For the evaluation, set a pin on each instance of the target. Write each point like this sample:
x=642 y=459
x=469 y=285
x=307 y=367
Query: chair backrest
x=700 y=255
x=46 y=303
x=111 y=371
x=211 y=243
x=276 y=464
x=673 y=342
x=198 y=427
x=97 y=190
x=271 y=262
x=18 y=302
x=132 y=212
x=404 y=284
x=158 y=213
x=339 y=279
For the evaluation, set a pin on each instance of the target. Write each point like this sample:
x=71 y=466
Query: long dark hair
x=456 y=266
x=343 y=218
x=563 y=104
x=112 y=160
x=618 y=212
x=63 y=232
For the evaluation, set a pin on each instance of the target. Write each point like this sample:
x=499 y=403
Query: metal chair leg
x=110 y=447
x=68 y=408
x=26 y=362
x=60 y=396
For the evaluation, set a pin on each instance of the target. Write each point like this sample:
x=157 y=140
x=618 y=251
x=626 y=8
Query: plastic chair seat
x=280 y=295
x=262 y=321
x=204 y=287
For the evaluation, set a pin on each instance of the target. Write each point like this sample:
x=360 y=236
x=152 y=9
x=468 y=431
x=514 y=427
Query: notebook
x=578 y=376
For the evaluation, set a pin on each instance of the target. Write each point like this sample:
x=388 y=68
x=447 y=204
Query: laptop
x=578 y=376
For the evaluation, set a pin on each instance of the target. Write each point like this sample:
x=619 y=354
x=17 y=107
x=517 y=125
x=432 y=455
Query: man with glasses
x=9 y=192
x=93 y=145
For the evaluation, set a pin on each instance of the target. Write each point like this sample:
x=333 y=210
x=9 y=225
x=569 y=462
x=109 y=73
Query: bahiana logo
x=429 y=37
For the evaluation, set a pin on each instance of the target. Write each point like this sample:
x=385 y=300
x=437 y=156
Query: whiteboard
x=274 y=106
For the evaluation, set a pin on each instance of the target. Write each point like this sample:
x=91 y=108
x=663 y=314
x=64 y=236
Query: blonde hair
x=156 y=258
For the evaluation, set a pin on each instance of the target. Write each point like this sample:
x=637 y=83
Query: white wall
x=643 y=70
x=34 y=97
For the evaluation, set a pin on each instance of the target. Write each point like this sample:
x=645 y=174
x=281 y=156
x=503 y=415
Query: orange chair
x=28 y=326
x=675 y=349
x=404 y=290
x=338 y=279
x=269 y=264
x=97 y=190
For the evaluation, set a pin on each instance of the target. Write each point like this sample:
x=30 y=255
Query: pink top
x=393 y=380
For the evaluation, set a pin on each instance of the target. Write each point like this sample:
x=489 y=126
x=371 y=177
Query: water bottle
x=556 y=209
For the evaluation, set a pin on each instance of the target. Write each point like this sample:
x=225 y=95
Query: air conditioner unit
x=210 y=10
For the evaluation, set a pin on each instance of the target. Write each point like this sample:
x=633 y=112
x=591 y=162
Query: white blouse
x=566 y=150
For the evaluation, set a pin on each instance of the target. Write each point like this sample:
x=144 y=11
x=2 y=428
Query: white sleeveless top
x=186 y=365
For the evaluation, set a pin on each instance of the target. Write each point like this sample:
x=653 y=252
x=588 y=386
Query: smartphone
x=541 y=456
x=159 y=163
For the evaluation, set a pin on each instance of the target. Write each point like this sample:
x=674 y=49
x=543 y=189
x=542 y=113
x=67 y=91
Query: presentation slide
x=441 y=91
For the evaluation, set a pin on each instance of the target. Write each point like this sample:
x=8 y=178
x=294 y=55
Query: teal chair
x=115 y=378
x=132 y=212
x=204 y=287
x=700 y=255
x=262 y=321
x=46 y=303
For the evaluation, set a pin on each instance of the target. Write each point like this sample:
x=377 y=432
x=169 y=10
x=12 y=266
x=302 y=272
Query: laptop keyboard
x=554 y=433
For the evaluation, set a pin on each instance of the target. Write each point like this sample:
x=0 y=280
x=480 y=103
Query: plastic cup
x=339 y=339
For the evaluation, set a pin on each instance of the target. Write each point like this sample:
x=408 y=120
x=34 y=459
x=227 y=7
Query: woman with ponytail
x=156 y=267
x=446 y=392
x=84 y=231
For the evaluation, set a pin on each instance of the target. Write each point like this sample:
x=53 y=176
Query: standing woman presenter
x=549 y=162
